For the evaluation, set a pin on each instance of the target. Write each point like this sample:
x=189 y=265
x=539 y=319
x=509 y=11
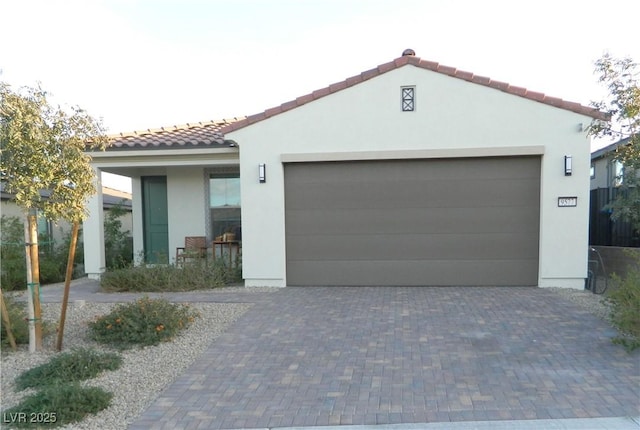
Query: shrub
x=143 y=322
x=19 y=321
x=12 y=249
x=76 y=365
x=55 y=406
x=193 y=276
x=52 y=257
x=118 y=246
x=52 y=268
x=624 y=298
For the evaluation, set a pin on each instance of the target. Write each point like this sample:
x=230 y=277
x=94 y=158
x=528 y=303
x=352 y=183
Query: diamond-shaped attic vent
x=408 y=99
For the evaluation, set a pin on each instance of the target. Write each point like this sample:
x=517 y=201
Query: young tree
x=621 y=76
x=42 y=150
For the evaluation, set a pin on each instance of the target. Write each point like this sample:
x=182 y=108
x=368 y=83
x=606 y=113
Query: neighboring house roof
x=110 y=197
x=428 y=65
x=607 y=150
x=192 y=135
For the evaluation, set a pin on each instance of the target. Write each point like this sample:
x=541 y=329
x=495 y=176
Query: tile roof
x=191 y=135
x=110 y=196
x=424 y=64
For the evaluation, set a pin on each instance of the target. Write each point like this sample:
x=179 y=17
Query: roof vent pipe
x=409 y=52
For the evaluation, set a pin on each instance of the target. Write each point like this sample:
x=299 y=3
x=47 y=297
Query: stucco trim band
x=414 y=154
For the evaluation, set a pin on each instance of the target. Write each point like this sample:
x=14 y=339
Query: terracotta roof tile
x=428 y=65
x=451 y=71
x=273 y=111
x=198 y=134
x=354 y=80
x=304 y=99
x=502 y=86
x=292 y=104
x=481 y=80
x=321 y=92
x=520 y=91
x=387 y=67
x=467 y=76
x=256 y=117
x=368 y=74
x=535 y=96
x=337 y=86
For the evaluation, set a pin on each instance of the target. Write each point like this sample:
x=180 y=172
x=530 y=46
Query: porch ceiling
x=132 y=163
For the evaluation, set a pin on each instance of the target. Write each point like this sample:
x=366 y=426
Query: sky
x=143 y=64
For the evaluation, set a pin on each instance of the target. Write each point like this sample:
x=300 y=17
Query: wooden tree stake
x=35 y=279
x=67 y=283
x=7 y=322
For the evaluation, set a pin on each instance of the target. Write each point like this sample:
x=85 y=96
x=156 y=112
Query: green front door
x=154 y=212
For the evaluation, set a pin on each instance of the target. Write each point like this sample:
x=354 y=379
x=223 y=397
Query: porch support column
x=93 y=233
x=138 y=222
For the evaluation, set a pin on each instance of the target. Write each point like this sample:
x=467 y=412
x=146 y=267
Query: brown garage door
x=469 y=221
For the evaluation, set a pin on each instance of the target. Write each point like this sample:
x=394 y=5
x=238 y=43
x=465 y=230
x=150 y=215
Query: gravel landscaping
x=146 y=372
x=593 y=303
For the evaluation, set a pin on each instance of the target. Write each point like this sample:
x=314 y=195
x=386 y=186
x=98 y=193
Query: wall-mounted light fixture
x=567 y=165
x=262 y=173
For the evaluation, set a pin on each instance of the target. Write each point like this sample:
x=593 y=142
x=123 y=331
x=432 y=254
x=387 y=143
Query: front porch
x=189 y=190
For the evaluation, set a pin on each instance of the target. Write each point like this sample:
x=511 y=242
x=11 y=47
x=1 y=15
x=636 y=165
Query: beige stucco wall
x=185 y=206
x=453 y=118
x=186 y=194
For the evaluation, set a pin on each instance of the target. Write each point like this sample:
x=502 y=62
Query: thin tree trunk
x=35 y=282
x=30 y=313
x=7 y=322
x=67 y=283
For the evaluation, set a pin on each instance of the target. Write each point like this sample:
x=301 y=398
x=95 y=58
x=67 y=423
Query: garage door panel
x=426 y=194
x=412 y=246
x=413 y=222
x=415 y=273
x=398 y=170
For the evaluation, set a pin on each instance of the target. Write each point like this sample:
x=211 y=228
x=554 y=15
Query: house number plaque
x=567 y=202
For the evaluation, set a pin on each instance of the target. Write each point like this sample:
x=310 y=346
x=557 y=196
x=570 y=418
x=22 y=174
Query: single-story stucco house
x=411 y=173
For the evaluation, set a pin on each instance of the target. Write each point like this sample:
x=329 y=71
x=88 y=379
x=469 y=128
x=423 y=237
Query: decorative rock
x=144 y=373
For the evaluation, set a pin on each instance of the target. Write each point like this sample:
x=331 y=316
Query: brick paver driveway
x=319 y=356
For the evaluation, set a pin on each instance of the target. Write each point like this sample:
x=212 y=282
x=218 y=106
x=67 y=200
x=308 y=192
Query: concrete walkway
x=402 y=358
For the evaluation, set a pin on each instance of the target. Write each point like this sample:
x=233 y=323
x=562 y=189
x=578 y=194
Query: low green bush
x=56 y=406
x=141 y=323
x=624 y=298
x=75 y=365
x=198 y=275
x=19 y=322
